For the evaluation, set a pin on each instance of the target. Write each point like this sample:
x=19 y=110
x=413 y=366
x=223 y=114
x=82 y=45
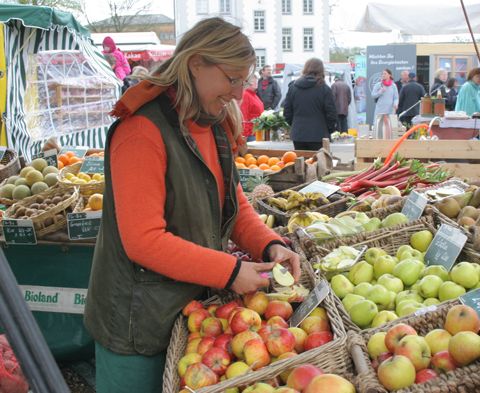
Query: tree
x=342 y=55
x=64 y=5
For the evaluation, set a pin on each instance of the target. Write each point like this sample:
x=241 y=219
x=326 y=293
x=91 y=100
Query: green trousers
x=117 y=373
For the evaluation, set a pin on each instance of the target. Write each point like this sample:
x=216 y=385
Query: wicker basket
x=338 y=204
x=88 y=189
x=54 y=218
x=12 y=164
x=461 y=380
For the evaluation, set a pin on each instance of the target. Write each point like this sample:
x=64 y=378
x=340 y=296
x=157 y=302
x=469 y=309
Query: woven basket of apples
x=435 y=351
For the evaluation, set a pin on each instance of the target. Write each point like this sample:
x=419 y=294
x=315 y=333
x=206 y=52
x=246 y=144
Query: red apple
x=461 y=318
x=280 y=308
x=300 y=337
x=232 y=314
x=217 y=359
x=193 y=336
x=443 y=362
x=396 y=333
x=196 y=318
x=264 y=332
x=211 y=327
x=317 y=339
x=425 y=375
x=225 y=310
x=245 y=319
x=384 y=356
x=329 y=383
x=256 y=301
x=212 y=308
x=256 y=354
x=416 y=349
x=280 y=340
x=278 y=322
x=192 y=346
x=224 y=341
x=238 y=342
x=205 y=344
x=187 y=360
x=301 y=376
x=315 y=324
x=192 y=306
x=198 y=375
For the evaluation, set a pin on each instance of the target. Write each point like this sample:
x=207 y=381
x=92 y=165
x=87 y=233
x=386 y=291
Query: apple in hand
x=341 y=285
x=376 y=345
x=301 y=376
x=462 y=318
x=256 y=354
x=421 y=240
x=329 y=383
x=464 y=348
x=443 y=362
x=396 y=373
x=416 y=349
x=425 y=375
x=396 y=333
x=438 y=340
x=317 y=339
x=217 y=359
x=198 y=375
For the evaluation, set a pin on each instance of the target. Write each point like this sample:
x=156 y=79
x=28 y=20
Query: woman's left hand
x=283 y=255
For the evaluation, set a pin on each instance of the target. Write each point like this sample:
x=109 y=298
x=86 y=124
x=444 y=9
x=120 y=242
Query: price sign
x=50 y=156
x=445 y=247
x=79 y=151
x=19 y=232
x=84 y=225
x=3 y=149
x=246 y=175
x=92 y=165
x=326 y=189
x=472 y=299
x=313 y=299
x=414 y=206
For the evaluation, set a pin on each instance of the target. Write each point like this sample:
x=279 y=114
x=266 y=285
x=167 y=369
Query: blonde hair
x=439 y=72
x=216 y=42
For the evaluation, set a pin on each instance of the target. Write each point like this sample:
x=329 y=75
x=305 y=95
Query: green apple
x=401 y=250
x=421 y=240
x=361 y=272
x=391 y=282
x=341 y=285
x=415 y=254
x=408 y=270
x=394 y=219
x=376 y=344
x=379 y=295
x=373 y=253
x=396 y=373
x=431 y=301
x=464 y=347
x=416 y=349
x=436 y=270
x=363 y=312
x=464 y=274
x=391 y=303
x=382 y=318
x=350 y=299
x=383 y=265
x=449 y=290
x=362 y=289
x=407 y=307
x=438 y=340
x=415 y=287
x=429 y=286
x=372 y=225
x=408 y=295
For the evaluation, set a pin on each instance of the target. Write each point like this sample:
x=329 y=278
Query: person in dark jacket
x=410 y=94
x=403 y=80
x=310 y=108
x=268 y=89
x=452 y=93
x=343 y=96
x=441 y=77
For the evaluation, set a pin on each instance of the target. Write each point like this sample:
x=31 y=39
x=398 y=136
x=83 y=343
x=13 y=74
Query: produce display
x=266 y=163
x=12 y=379
x=293 y=201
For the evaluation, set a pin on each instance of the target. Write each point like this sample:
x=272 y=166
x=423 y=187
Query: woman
x=451 y=90
x=138 y=73
x=172 y=201
x=310 y=108
x=385 y=94
x=439 y=81
x=120 y=66
x=251 y=107
x=468 y=99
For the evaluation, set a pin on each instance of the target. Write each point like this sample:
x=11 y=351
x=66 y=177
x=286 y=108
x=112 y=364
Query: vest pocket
x=141 y=274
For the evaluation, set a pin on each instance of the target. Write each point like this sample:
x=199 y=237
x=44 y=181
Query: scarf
x=387 y=82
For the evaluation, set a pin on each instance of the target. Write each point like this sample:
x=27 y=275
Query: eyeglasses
x=235 y=82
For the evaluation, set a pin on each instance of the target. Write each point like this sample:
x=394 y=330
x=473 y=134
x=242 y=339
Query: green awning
x=40 y=17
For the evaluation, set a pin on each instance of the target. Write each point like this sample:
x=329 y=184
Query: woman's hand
x=286 y=257
x=248 y=278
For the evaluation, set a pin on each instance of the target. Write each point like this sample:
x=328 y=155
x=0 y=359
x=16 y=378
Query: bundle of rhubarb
x=402 y=173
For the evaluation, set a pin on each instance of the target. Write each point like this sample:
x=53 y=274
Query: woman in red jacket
x=251 y=107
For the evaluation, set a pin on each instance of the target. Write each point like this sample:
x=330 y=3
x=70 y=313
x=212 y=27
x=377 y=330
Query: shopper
x=251 y=107
x=439 y=81
x=468 y=99
x=385 y=94
x=402 y=81
x=310 y=108
x=268 y=89
x=451 y=88
x=409 y=100
x=120 y=66
x=343 y=97
x=138 y=73
x=172 y=201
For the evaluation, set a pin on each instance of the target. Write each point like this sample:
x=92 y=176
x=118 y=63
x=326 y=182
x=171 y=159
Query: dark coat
x=437 y=83
x=451 y=99
x=271 y=94
x=310 y=110
x=410 y=94
x=342 y=96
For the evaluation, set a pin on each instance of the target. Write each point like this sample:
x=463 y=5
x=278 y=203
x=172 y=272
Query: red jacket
x=251 y=107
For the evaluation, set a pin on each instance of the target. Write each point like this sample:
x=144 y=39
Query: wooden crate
x=462 y=157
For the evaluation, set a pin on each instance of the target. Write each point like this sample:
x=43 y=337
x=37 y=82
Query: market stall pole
x=3 y=87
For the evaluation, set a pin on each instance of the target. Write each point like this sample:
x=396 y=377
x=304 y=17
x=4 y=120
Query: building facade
x=281 y=31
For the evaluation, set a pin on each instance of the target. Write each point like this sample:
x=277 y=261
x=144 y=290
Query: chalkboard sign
x=313 y=299
x=50 y=156
x=84 y=225
x=3 y=149
x=326 y=189
x=92 y=165
x=246 y=175
x=445 y=247
x=79 y=151
x=414 y=206
x=472 y=299
x=19 y=232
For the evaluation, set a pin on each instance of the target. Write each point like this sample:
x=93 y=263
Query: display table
x=446 y=128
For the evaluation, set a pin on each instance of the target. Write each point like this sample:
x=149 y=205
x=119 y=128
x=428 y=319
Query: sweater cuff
x=234 y=274
x=265 y=255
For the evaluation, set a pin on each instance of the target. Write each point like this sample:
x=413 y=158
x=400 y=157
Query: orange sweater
x=138 y=166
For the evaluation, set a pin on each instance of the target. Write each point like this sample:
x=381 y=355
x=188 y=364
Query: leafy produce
x=293 y=201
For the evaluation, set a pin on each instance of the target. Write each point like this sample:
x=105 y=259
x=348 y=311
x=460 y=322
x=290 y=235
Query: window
x=456 y=66
x=308 y=39
x=225 y=7
x=202 y=7
x=259 y=21
x=287 y=39
x=286 y=7
x=261 y=57
x=308 y=6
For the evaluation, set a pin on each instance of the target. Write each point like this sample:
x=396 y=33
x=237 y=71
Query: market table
x=451 y=128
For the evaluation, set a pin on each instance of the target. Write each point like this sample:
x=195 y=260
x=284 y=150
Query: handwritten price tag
x=414 y=206
x=19 y=232
x=445 y=247
x=314 y=298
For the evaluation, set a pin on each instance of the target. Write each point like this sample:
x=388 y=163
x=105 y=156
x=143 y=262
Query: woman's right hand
x=248 y=278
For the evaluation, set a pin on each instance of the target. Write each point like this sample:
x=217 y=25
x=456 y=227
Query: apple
x=195 y=319
x=225 y=310
x=431 y=301
x=187 y=360
x=341 y=285
x=396 y=373
x=394 y=219
x=443 y=362
x=425 y=375
x=239 y=340
x=224 y=341
x=408 y=270
x=236 y=369
x=465 y=274
x=280 y=340
x=300 y=337
x=384 y=317
x=315 y=324
x=264 y=332
x=421 y=240
x=462 y=318
x=449 y=290
x=436 y=270
x=391 y=282
x=329 y=383
x=362 y=289
x=379 y=295
x=412 y=254
x=260 y=387
x=277 y=321
x=193 y=336
x=407 y=307
x=256 y=354
x=408 y=295
x=361 y=272
x=373 y=253
x=287 y=355
x=396 y=333
x=319 y=312
x=376 y=344
x=205 y=344
x=211 y=327
x=192 y=346
x=198 y=375
x=192 y=306
x=429 y=285
x=212 y=308
x=217 y=359
x=438 y=340
x=285 y=389
x=402 y=249
x=280 y=308
x=317 y=339
x=391 y=304
x=363 y=312
x=464 y=348
x=301 y=376
x=383 y=265
x=384 y=356
x=416 y=349
x=349 y=300
x=257 y=301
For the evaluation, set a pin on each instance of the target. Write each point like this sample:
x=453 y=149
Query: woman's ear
x=194 y=64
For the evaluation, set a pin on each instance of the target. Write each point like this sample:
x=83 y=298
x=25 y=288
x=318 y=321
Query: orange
x=289 y=156
x=74 y=159
x=281 y=164
x=240 y=160
x=252 y=166
x=273 y=161
x=69 y=154
x=289 y=163
x=60 y=164
x=251 y=160
x=263 y=166
x=64 y=159
x=240 y=165
x=262 y=159
x=275 y=168
x=247 y=156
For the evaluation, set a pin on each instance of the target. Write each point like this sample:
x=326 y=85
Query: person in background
x=451 y=88
x=410 y=95
x=441 y=77
x=171 y=203
x=251 y=107
x=343 y=97
x=268 y=89
x=138 y=73
x=468 y=99
x=310 y=108
x=402 y=81
x=385 y=94
x=121 y=67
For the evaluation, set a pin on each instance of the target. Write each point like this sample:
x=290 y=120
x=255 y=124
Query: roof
x=138 y=20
